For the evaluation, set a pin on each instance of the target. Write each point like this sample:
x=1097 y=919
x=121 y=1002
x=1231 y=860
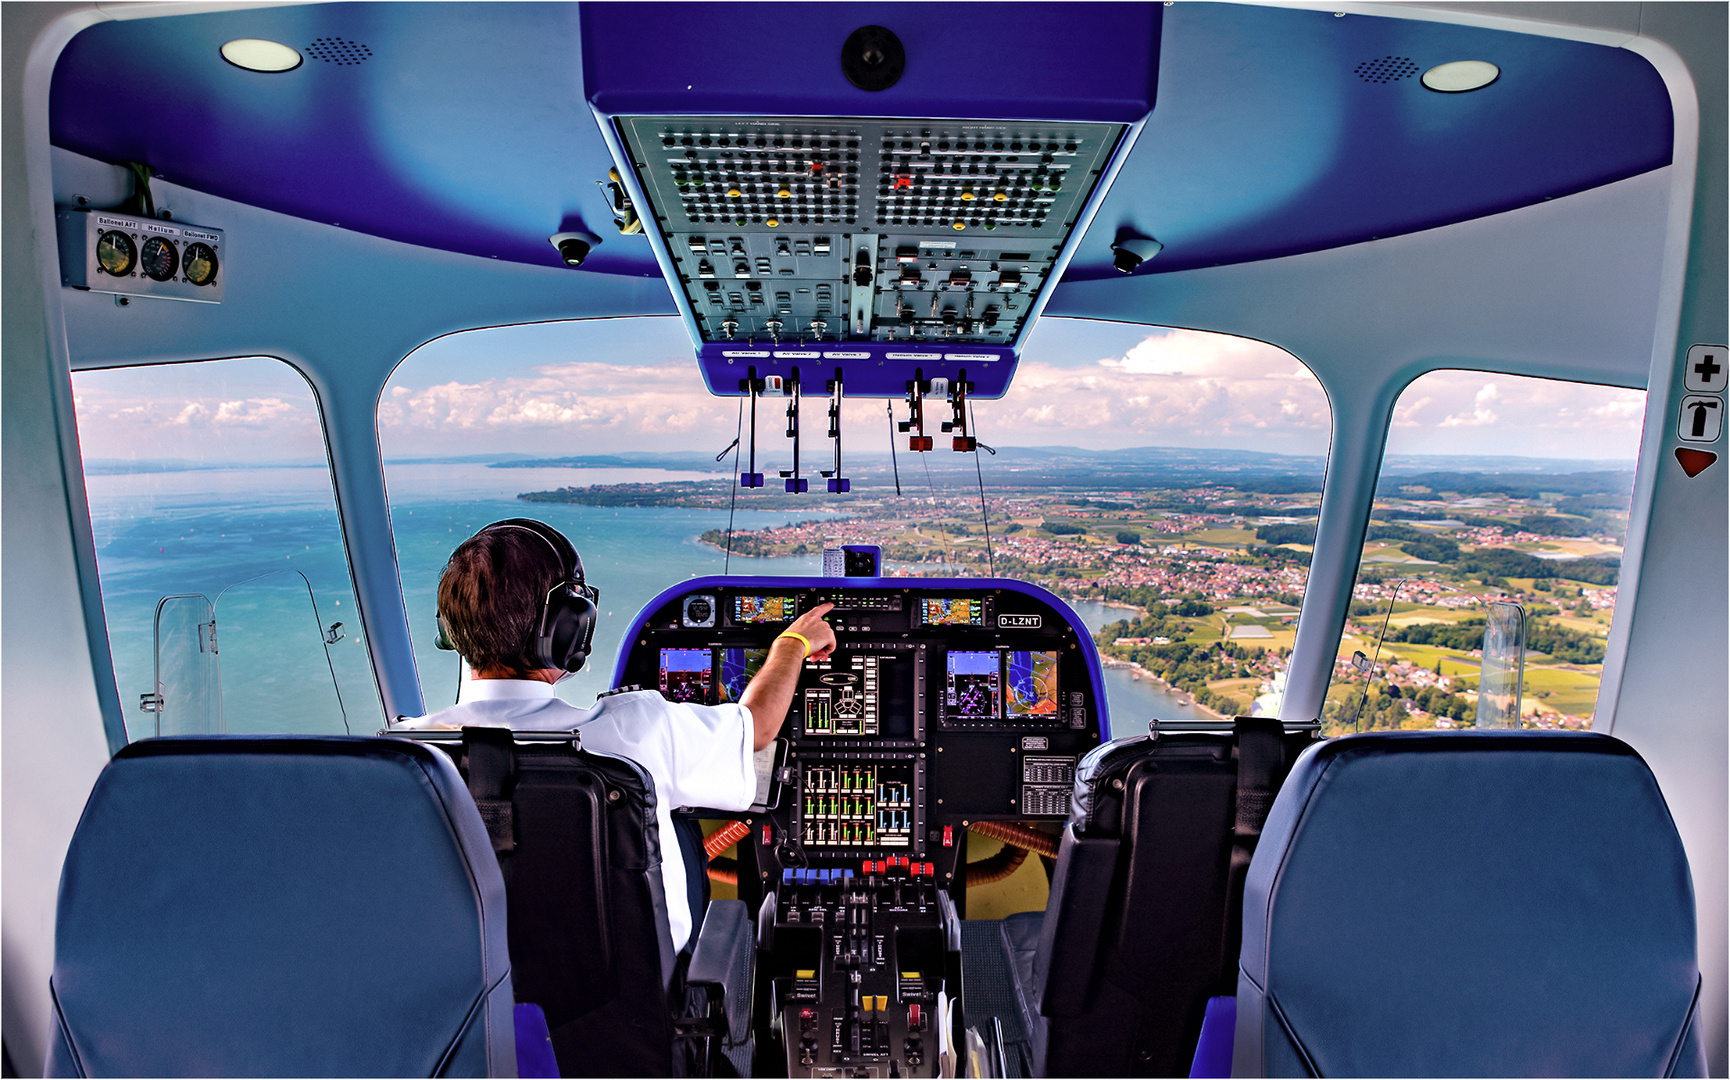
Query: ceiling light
x=256 y=54
x=1461 y=75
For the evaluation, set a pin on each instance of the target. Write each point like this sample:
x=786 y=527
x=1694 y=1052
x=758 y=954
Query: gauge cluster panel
x=102 y=251
x=945 y=701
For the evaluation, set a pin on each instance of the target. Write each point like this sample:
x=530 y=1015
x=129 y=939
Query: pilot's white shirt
x=698 y=755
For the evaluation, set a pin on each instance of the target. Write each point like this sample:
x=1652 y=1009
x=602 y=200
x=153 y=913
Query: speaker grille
x=1386 y=69
x=339 y=51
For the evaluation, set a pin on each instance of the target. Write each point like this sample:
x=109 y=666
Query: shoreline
x=1170 y=689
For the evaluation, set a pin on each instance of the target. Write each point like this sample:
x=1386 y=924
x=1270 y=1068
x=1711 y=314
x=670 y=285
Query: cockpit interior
x=1331 y=680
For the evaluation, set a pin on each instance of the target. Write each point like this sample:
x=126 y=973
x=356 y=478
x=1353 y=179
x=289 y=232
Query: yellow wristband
x=801 y=638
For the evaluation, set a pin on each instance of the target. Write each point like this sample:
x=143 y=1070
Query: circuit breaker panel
x=791 y=236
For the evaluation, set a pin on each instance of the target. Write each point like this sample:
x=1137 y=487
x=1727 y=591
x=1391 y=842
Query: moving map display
x=738 y=666
x=951 y=611
x=685 y=674
x=1029 y=684
x=765 y=609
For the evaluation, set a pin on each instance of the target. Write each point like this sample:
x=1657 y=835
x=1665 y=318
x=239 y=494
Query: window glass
x=1495 y=489
x=1136 y=473
x=220 y=556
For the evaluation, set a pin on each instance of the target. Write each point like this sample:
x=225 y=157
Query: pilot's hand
x=818 y=632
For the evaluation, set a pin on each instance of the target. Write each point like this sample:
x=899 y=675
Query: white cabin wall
x=51 y=713
x=1666 y=688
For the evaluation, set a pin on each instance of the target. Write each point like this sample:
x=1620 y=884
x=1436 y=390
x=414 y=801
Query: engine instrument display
x=870 y=805
x=686 y=675
x=859 y=694
x=765 y=609
x=951 y=611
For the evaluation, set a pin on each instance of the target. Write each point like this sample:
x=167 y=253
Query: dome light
x=1461 y=75
x=256 y=54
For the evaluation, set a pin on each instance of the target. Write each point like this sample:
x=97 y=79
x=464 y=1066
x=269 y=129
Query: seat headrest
x=270 y=905
x=1471 y=903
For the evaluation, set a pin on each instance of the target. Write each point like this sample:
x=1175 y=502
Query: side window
x=1151 y=477
x=224 y=580
x=1496 y=490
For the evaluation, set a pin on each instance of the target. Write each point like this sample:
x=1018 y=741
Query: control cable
x=1358 y=719
x=890 y=406
x=733 y=503
x=984 y=515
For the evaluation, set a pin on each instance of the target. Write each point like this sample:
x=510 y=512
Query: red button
x=948 y=836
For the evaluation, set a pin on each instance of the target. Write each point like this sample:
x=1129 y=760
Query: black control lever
x=795 y=483
x=753 y=386
x=837 y=483
x=915 y=422
x=958 y=387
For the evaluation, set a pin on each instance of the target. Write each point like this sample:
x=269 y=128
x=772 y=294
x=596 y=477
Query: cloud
x=1481 y=414
x=1464 y=412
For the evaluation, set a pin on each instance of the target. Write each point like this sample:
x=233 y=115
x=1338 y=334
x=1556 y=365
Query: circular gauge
x=200 y=264
x=699 y=610
x=115 y=253
x=160 y=259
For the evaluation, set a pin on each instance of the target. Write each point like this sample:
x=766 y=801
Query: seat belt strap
x=1260 y=760
x=491 y=757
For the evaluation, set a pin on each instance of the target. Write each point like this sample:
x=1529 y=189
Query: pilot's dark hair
x=490 y=597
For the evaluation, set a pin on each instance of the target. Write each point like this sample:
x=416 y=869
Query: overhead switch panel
x=919 y=234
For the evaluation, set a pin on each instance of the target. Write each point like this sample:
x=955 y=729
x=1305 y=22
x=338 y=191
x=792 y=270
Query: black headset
x=565 y=629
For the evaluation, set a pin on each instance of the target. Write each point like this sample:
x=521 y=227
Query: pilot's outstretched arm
x=770 y=693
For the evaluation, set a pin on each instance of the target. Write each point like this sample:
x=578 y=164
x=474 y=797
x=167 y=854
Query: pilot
x=513 y=601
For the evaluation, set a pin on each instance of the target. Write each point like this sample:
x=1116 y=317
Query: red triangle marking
x=1694 y=462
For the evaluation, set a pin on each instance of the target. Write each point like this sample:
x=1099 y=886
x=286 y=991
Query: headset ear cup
x=567 y=631
x=442 y=641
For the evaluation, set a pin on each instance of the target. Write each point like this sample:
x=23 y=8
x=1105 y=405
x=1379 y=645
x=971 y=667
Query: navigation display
x=971 y=686
x=859 y=694
x=765 y=609
x=685 y=674
x=951 y=611
x=1029 y=685
x=738 y=667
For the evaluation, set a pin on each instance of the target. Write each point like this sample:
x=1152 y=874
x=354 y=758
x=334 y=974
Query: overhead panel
x=786 y=231
x=859 y=209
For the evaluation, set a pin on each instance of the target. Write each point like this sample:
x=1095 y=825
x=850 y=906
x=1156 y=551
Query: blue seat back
x=1469 y=904
x=287 y=906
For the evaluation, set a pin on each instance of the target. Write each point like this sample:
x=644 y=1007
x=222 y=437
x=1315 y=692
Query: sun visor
x=891 y=190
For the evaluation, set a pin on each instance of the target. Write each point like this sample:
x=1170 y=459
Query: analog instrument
x=200 y=264
x=115 y=253
x=160 y=259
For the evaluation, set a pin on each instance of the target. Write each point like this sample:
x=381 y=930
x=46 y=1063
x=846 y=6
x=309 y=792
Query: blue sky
x=605 y=386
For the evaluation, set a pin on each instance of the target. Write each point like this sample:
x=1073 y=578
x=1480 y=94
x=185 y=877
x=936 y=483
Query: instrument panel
x=945 y=701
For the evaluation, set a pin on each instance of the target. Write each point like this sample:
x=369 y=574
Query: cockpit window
x=224 y=581
x=1129 y=468
x=1495 y=490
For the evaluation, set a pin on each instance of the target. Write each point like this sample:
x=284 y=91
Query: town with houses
x=1210 y=576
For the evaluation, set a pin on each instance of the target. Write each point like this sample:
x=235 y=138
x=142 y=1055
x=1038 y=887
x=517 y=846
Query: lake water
x=257 y=532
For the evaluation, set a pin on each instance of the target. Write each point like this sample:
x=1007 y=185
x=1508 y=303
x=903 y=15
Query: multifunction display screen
x=765 y=609
x=1014 y=685
x=738 y=668
x=686 y=675
x=859 y=694
x=951 y=611
x=871 y=804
